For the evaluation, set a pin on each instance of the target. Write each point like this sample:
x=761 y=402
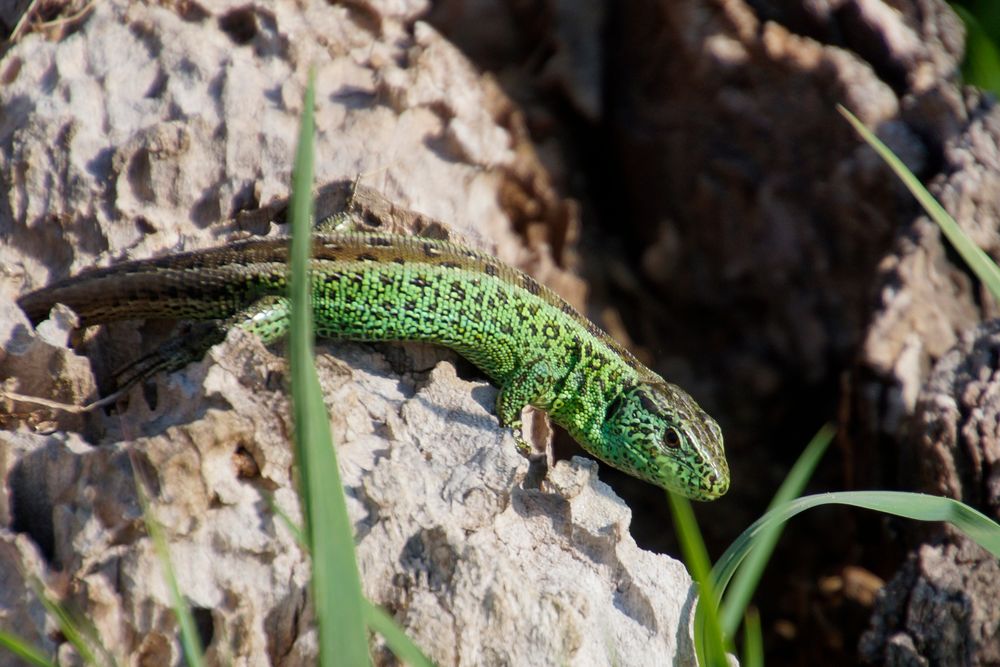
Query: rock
x=476 y=569
x=940 y=608
x=955 y=431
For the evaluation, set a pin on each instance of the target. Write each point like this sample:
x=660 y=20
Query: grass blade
x=282 y=515
x=401 y=645
x=980 y=263
x=753 y=640
x=343 y=639
x=77 y=631
x=977 y=526
x=709 y=644
x=22 y=650
x=190 y=639
x=376 y=619
x=745 y=582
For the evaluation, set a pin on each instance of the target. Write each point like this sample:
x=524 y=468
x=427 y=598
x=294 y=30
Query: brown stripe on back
x=242 y=257
x=443 y=253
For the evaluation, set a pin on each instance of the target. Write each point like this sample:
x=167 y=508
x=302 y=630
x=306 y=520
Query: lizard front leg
x=532 y=384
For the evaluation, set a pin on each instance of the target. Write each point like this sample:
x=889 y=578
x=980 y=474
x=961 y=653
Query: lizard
x=372 y=286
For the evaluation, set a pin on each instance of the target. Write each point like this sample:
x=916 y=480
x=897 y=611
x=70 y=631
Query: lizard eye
x=671 y=438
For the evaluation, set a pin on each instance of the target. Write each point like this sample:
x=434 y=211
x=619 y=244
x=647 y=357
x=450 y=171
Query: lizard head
x=656 y=432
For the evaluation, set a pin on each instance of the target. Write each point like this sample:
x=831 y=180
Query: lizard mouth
x=707 y=482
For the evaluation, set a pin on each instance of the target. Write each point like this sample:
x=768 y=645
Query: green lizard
x=382 y=287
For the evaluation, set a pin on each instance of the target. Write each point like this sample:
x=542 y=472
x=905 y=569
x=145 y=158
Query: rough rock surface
x=208 y=102
x=955 y=433
x=475 y=568
x=138 y=131
x=941 y=607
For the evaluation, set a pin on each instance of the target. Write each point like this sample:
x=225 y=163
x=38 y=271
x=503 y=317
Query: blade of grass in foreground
x=339 y=604
x=190 y=639
x=79 y=632
x=980 y=528
x=22 y=650
x=980 y=263
x=401 y=645
x=753 y=640
x=709 y=644
x=745 y=582
x=376 y=618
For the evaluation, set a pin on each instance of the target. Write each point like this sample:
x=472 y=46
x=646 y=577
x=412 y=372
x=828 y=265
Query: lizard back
x=215 y=283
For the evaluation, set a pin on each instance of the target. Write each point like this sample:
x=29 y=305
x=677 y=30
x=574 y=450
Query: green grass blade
x=980 y=528
x=981 y=66
x=402 y=646
x=81 y=635
x=343 y=639
x=376 y=618
x=709 y=644
x=300 y=339
x=22 y=650
x=980 y=263
x=190 y=639
x=745 y=582
x=293 y=528
x=753 y=640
